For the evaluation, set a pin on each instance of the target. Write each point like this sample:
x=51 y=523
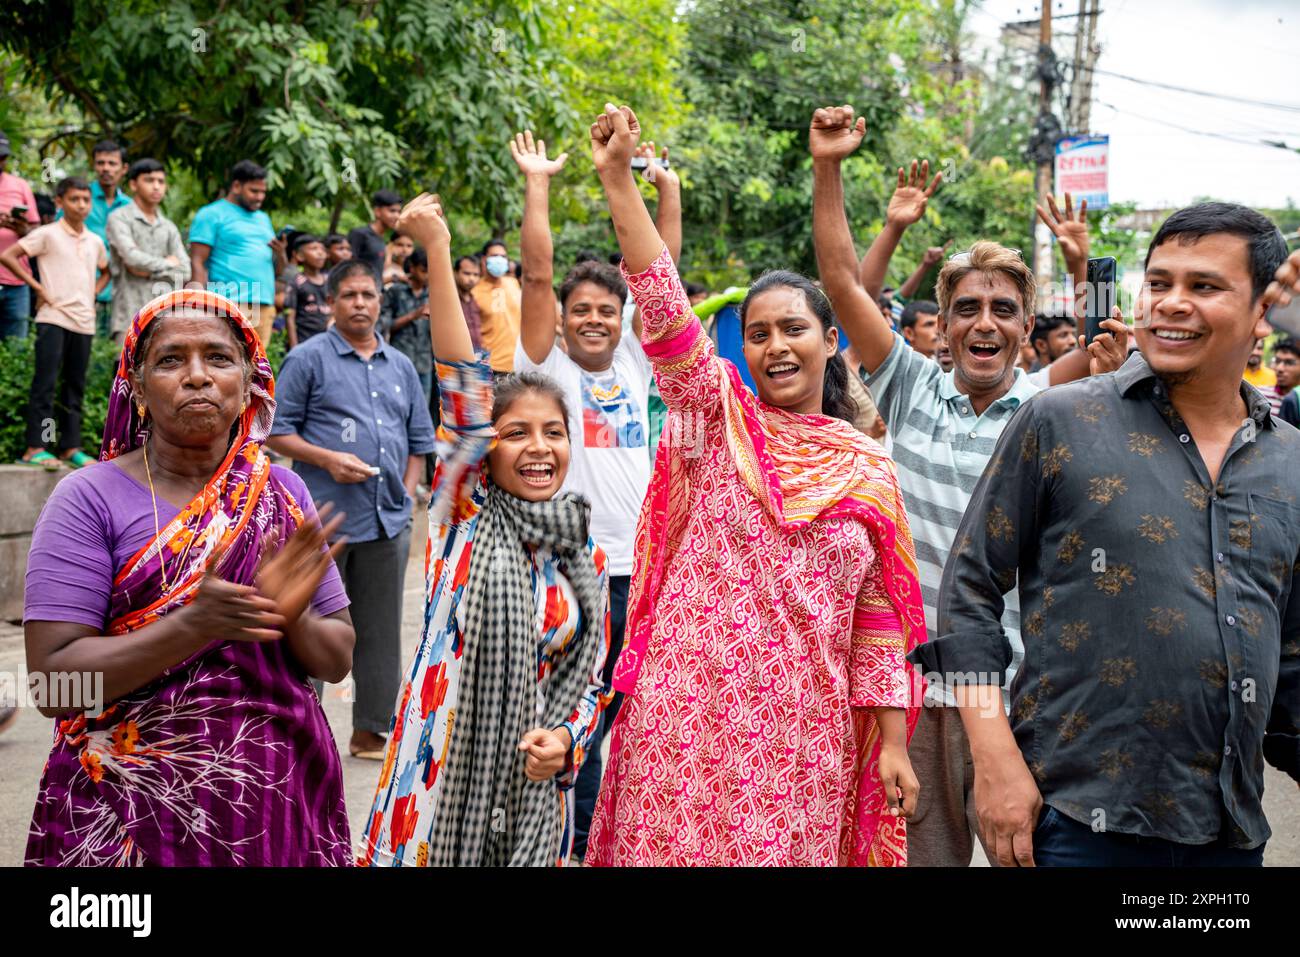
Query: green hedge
x=17 y=361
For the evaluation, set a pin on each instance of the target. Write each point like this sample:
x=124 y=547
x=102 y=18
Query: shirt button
x=1227 y=750
x=1219 y=557
x=1184 y=438
x=374 y=395
x=369 y=367
x=965 y=410
x=1234 y=686
x=1231 y=619
x=972 y=435
x=379 y=421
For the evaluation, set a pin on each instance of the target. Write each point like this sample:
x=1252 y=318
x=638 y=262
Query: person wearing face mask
x=606 y=380
x=494 y=714
x=499 y=299
x=767 y=701
x=944 y=426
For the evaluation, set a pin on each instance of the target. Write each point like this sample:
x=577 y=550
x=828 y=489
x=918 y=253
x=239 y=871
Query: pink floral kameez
x=772 y=606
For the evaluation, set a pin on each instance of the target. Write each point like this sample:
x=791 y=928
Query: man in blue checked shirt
x=351 y=413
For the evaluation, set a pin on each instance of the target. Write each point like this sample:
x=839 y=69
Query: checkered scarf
x=490 y=814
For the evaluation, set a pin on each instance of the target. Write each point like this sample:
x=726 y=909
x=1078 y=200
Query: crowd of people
x=947 y=571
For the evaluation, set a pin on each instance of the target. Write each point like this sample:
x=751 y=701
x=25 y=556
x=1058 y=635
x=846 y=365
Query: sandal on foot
x=42 y=460
x=365 y=754
x=79 y=459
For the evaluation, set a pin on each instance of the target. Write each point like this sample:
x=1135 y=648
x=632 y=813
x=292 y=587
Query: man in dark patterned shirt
x=404 y=318
x=1153 y=520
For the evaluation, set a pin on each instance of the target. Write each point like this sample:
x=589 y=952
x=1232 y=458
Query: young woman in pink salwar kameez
x=774 y=597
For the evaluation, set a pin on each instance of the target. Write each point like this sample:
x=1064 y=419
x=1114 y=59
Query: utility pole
x=1086 y=52
x=1042 y=147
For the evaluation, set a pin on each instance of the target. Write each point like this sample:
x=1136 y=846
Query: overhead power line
x=1291 y=107
x=1271 y=144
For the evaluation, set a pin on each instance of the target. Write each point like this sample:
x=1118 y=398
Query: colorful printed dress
x=772 y=605
x=402 y=817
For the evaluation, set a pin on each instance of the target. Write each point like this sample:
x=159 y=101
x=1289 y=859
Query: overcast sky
x=1243 y=48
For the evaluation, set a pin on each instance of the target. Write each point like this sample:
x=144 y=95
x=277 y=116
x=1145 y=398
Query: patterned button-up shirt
x=1162 y=662
x=136 y=243
x=412 y=340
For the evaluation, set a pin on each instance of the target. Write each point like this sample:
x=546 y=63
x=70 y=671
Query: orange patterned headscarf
x=228 y=524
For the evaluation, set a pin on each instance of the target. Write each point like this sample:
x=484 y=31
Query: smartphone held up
x=1100 y=299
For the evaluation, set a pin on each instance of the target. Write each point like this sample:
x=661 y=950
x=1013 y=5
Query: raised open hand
x=907 y=205
x=834 y=134
x=290 y=576
x=654 y=173
x=422 y=219
x=614 y=138
x=531 y=156
x=1070 y=230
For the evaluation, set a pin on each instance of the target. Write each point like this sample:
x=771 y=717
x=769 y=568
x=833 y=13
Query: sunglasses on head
x=963 y=258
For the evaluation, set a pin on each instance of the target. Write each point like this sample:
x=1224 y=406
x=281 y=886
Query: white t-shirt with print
x=609 y=431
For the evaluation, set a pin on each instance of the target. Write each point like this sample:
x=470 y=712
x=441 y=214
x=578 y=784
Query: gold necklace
x=157 y=532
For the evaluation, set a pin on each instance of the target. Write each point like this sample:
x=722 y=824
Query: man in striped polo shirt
x=944 y=426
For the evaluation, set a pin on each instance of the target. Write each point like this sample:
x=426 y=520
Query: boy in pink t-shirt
x=70 y=255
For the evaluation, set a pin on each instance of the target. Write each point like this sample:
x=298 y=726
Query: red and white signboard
x=1083 y=169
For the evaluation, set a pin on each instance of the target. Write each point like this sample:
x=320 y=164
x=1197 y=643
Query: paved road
x=24 y=746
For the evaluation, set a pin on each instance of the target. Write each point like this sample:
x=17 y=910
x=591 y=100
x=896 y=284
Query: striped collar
x=1021 y=389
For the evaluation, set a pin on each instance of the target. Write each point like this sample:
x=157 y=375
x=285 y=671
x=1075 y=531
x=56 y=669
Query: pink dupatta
x=800 y=468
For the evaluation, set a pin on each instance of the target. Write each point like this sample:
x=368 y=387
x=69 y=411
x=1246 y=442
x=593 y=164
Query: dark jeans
x=588 y=784
x=1060 y=841
x=57 y=351
x=15 y=303
x=374 y=574
x=435 y=412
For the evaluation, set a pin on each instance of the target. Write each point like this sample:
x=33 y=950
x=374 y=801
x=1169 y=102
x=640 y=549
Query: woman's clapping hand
x=290 y=577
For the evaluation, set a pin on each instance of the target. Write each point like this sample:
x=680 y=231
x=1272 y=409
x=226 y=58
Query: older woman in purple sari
x=194 y=576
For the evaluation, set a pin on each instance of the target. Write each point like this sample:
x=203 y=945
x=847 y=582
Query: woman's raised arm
x=614 y=139
x=674 y=341
x=423 y=221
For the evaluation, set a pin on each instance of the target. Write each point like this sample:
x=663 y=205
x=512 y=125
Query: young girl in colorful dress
x=495 y=710
x=775 y=594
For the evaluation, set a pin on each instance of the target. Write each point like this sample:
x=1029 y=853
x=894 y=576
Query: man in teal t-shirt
x=231 y=247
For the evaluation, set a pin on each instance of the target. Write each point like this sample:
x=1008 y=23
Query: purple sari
x=225 y=758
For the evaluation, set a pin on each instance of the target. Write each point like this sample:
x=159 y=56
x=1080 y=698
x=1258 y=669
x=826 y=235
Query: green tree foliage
x=336 y=99
x=339 y=99
x=621 y=51
x=755 y=71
